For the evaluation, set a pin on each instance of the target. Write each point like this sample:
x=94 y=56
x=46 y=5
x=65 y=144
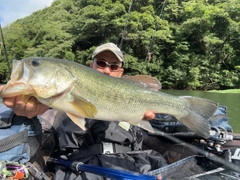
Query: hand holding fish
x=24 y=105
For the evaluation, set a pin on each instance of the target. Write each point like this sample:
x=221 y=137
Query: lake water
x=230 y=100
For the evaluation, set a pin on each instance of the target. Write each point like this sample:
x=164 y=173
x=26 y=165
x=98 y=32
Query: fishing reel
x=218 y=137
x=13 y=170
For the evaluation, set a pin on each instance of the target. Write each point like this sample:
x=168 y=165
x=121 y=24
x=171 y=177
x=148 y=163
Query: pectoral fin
x=78 y=120
x=85 y=108
x=124 y=125
x=144 y=125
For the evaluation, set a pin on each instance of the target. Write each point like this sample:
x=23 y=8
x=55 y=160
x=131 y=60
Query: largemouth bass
x=83 y=92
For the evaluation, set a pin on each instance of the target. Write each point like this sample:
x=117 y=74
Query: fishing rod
x=205 y=153
x=149 y=54
x=5 y=51
x=105 y=172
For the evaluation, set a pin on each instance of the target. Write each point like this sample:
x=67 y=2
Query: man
x=108 y=144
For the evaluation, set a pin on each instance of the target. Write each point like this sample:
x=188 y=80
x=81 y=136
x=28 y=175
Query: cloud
x=11 y=10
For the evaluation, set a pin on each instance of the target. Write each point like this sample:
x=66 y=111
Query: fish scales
x=130 y=98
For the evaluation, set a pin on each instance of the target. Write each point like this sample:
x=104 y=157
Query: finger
x=41 y=108
x=20 y=102
x=9 y=102
x=149 y=115
x=34 y=107
x=22 y=107
x=31 y=104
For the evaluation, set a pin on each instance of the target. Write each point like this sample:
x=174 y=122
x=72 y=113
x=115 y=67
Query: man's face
x=110 y=58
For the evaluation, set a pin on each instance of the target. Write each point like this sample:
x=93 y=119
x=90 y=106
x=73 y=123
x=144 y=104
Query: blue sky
x=11 y=10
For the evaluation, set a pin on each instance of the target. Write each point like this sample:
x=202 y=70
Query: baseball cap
x=109 y=47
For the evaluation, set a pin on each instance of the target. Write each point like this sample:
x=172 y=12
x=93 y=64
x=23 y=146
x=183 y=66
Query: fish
x=82 y=92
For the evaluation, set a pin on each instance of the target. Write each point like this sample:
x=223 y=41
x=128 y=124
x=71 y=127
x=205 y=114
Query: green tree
x=190 y=45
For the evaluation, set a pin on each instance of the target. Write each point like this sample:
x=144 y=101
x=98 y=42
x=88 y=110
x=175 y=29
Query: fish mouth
x=20 y=72
x=12 y=89
x=18 y=81
x=57 y=96
x=17 y=70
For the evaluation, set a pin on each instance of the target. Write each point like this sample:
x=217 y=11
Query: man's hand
x=24 y=105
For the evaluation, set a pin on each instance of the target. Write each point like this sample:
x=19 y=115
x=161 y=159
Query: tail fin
x=199 y=111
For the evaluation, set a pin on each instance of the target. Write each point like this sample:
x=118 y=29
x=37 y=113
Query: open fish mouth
x=18 y=81
x=17 y=71
x=15 y=89
x=20 y=72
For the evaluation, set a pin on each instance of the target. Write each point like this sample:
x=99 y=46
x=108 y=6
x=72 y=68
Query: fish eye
x=35 y=62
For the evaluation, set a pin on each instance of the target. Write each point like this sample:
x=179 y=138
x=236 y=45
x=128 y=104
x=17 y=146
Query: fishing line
x=5 y=51
x=126 y=23
x=148 y=57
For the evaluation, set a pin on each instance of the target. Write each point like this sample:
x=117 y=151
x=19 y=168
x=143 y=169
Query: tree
x=190 y=45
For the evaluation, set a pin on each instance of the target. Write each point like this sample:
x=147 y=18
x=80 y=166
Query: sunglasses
x=103 y=64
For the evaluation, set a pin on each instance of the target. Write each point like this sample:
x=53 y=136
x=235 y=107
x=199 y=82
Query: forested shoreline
x=194 y=44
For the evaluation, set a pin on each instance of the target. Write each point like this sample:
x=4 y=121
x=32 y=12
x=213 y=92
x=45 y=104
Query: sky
x=11 y=10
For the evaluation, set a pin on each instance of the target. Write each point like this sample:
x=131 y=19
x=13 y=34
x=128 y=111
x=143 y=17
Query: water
x=230 y=100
